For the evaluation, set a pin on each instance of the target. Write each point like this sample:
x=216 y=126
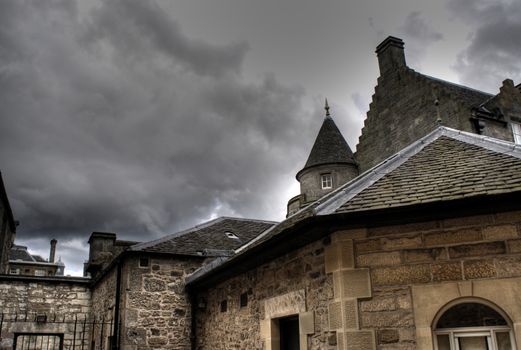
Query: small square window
x=144 y=262
x=244 y=300
x=516 y=131
x=326 y=181
x=224 y=305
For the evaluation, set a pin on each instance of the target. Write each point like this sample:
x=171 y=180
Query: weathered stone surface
x=450 y=237
x=378 y=259
x=480 y=249
x=446 y=272
x=514 y=246
x=386 y=336
x=508 y=266
x=508 y=217
x=424 y=255
x=478 y=220
x=479 y=269
x=400 y=275
x=499 y=232
x=390 y=319
x=397 y=229
x=392 y=243
x=154 y=284
x=370 y=245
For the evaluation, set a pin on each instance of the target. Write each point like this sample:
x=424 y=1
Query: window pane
x=473 y=343
x=443 y=342
x=470 y=315
x=503 y=341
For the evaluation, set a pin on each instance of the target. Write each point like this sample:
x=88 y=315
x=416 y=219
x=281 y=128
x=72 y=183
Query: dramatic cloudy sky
x=143 y=117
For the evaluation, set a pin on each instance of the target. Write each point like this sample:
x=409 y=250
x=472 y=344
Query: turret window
x=516 y=131
x=326 y=181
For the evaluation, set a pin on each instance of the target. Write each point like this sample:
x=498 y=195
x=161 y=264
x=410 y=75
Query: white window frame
x=326 y=181
x=40 y=272
x=489 y=332
x=14 y=271
x=516 y=132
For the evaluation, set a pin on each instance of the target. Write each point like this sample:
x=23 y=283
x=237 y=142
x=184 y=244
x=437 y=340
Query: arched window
x=473 y=325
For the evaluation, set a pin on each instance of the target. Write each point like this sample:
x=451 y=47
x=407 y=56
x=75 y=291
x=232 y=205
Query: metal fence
x=41 y=331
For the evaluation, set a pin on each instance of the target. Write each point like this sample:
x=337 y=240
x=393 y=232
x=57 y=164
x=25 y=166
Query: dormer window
x=326 y=181
x=516 y=131
x=231 y=235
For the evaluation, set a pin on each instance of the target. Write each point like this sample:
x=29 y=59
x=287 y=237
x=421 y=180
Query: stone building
x=7 y=228
x=413 y=242
x=21 y=262
x=419 y=251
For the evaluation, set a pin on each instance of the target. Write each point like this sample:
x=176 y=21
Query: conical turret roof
x=330 y=147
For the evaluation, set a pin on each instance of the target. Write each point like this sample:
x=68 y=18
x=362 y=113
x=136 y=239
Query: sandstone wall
x=403 y=110
x=298 y=278
x=360 y=287
x=57 y=298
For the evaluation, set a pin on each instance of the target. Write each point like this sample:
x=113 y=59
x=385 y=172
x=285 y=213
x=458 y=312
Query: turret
x=330 y=165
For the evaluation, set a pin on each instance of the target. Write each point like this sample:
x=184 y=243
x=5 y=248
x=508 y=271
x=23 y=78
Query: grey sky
x=144 y=117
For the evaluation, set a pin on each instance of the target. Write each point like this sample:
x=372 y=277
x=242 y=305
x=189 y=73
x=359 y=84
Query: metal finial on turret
x=326 y=107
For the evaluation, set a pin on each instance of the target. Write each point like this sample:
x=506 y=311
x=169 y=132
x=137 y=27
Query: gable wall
x=155 y=309
x=403 y=110
x=362 y=288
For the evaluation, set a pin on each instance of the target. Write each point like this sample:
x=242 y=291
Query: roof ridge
x=461 y=86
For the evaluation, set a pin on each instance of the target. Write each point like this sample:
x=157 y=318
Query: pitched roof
x=469 y=96
x=330 y=147
x=445 y=165
x=218 y=237
x=18 y=252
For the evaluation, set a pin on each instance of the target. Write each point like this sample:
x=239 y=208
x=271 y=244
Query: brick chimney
x=52 y=253
x=391 y=56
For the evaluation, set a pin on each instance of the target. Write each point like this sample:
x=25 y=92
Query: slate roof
x=330 y=147
x=444 y=165
x=465 y=94
x=208 y=239
x=19 y=252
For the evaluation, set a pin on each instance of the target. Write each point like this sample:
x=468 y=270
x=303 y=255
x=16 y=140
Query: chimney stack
x=391 y=55
x=53 y=250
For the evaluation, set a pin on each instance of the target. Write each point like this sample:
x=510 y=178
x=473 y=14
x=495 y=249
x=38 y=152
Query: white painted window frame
x=489 y=332
x=326 y=181
x=516 y=132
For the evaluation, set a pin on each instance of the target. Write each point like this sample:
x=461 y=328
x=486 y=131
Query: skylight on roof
x=231 y=235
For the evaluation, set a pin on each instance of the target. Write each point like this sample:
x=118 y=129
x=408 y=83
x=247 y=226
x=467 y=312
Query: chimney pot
x=53 y=250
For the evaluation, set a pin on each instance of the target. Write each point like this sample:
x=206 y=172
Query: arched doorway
x=472 y=325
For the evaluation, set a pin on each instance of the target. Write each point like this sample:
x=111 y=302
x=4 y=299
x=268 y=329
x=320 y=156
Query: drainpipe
x=193 y=335
x=115 y=335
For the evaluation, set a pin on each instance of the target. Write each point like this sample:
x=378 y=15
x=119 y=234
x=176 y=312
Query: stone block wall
x=55 y=297
x=295 y=284
x=359 y=289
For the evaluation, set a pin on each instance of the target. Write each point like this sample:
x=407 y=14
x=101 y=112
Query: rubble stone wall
x=156 y=309
x=297 y=275
x=21 y=299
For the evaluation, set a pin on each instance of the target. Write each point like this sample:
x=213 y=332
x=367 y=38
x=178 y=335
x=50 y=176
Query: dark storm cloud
x=494 y=48
x=419 y=34
x=113 y=119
